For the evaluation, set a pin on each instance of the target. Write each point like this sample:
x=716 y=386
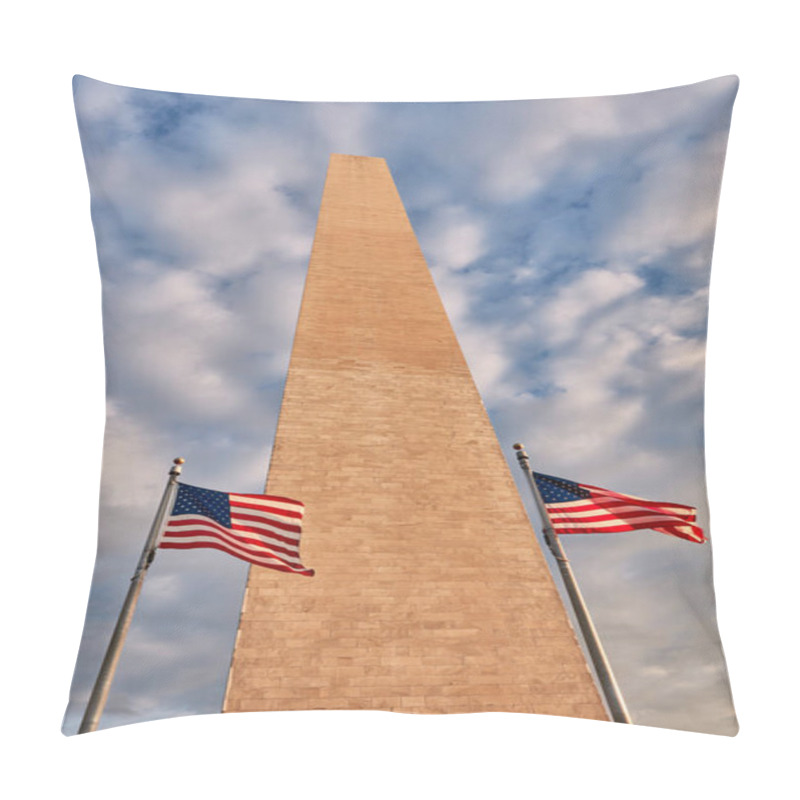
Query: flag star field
x=206 y=502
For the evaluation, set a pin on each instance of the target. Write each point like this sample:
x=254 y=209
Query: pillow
x=372 y=304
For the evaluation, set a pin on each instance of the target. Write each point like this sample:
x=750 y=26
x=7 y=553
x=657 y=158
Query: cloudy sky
x=571 y=243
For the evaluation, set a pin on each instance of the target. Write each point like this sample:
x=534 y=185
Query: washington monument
x=431 y=594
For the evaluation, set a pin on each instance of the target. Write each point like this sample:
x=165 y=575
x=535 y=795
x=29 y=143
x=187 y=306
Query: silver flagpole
x=97 y=701
x=614 y=699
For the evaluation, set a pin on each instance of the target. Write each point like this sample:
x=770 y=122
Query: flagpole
x=102 y=684
x=614 y=699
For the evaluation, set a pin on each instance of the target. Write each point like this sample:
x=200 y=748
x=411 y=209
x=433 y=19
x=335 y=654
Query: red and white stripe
x=610 y=512
x=264 y=530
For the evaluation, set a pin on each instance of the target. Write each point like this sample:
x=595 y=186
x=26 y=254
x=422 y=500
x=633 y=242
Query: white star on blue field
x=571 y=243
x=203 y=502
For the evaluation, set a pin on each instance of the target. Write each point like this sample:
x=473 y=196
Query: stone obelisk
x=431 y=594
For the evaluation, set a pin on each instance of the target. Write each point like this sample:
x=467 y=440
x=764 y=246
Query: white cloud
x=222 y=225
x=104 y=104
x=538 y=142
x=623 y=378
x=672 y=206
x=131 y=476
x=454 y=238
x=174 y=341
x=488 y=360
x=344 y=127
x=568 y=313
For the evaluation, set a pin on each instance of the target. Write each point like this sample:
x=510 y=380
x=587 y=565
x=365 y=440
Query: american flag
x=258 y=528
x=581 y=508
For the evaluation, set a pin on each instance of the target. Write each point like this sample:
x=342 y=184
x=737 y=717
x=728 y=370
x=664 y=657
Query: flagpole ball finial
x=177 y=466
x=522 y=456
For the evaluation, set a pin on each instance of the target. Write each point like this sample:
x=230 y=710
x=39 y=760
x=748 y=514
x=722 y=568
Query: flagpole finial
x=177 y=464
x=519 y=446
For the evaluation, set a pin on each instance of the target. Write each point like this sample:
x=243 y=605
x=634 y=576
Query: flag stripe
x=267 y=533
x=268 y=500
x=607 y=502
x=693 y=532
x=597 y=514
x=178 y=522
x=629 y=520
x=273 y=511
x=608 y=525
x=261 y=561
x=268 y=519
x=597 y=490
x=252 y=547
x=204 y=526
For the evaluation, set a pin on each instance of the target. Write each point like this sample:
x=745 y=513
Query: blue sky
x=571 y=243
